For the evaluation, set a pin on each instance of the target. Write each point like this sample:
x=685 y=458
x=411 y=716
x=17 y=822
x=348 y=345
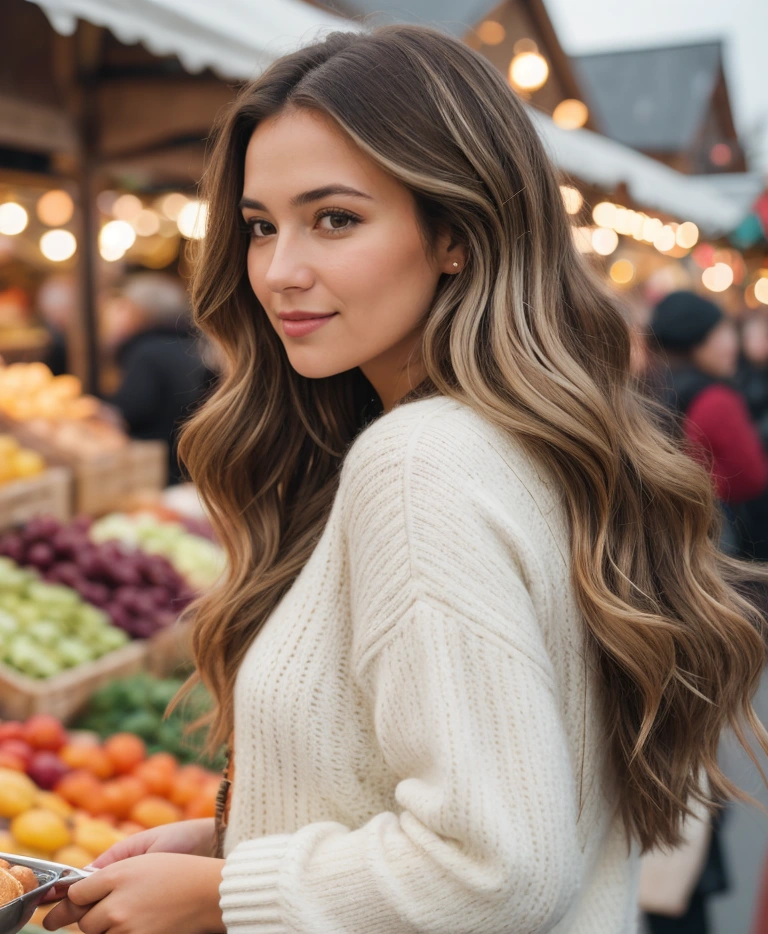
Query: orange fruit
x=153 y=811
x=125 y=751
x=96 y=836
x=78 y=788
x=129 y=827
x=120 y=794
x=9 y=761
x=53 y=802
x=41 y=830
x=204 y=805
x=92 y=758
x=187 y=783
x=73 y=855
x=157 y=779
x=164 y=760
x=17 y=793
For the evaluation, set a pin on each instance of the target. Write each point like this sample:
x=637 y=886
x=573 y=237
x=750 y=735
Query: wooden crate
x=102 y=484
x=170 y=650
x=49 y=494
x=65 y=694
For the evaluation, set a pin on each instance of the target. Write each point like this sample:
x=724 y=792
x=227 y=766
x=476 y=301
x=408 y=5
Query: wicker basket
x=49 y=494
x=65 y=694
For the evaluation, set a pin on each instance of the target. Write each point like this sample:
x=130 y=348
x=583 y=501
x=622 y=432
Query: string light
x=572 y=199
x=58 y=245
x=717 y=278
x=13 y=219
x=528 y=71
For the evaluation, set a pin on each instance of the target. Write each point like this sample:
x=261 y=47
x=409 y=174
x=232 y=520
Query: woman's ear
x=451 y=255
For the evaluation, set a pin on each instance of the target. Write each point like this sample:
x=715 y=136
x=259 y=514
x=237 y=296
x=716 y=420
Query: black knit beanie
x=682 y=320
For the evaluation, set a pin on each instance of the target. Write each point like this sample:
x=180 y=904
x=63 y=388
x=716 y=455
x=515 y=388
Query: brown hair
x=529 y=338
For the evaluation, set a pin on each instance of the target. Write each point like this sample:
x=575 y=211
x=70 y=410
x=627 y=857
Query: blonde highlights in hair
x=526 y=336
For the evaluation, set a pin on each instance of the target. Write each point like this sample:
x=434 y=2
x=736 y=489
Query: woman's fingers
x=64 y=913
x=134 y=845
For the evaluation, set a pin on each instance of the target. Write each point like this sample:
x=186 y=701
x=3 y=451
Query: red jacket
x=718 y=422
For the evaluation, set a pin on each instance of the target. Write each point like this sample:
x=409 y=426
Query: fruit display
x=97 y=794
x=54 y=409
x=16 y=462
x=46 y=628
x=137 y=704
x=141 y=593
x=197 y=559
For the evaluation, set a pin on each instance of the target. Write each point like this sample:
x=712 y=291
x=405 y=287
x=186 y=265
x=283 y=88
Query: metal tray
x=14 y=915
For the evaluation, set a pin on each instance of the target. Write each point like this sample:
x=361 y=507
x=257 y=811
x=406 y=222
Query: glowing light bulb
x=117 y=235
x=687 y=235
x=491 y=33
x=528 y=71
x=58 y=245
x=604 y=241
x=55 y=208
x=622 y=271
x=717 y=278
x=13 y=219
x=761 y=291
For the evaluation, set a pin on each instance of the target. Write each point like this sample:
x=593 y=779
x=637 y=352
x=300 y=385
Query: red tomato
x=11 y=729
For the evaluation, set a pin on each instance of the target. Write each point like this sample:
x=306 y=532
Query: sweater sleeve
x=482 y=839
x=718 y=421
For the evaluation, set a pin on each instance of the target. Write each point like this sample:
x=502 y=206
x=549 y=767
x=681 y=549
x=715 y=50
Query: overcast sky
x=594 y=25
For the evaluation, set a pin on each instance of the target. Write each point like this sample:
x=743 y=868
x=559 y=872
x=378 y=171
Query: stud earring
x=456 y=265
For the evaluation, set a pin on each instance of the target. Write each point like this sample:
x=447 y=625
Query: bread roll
x=10 y=887
x=25 y=875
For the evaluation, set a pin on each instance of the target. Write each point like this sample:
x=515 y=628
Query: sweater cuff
x=249 y=895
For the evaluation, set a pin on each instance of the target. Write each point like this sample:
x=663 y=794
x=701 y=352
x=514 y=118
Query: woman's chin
x=316 y=365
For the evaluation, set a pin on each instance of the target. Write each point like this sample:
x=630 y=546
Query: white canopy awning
x=607 y=164
x=237 y=38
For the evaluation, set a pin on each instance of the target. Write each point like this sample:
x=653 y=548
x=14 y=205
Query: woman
x=477 y=655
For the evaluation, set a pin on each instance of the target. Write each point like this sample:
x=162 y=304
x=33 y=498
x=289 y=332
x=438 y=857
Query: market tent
x=237 y=38
x=606 y=164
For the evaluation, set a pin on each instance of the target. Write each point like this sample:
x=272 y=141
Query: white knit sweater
x=418 y=741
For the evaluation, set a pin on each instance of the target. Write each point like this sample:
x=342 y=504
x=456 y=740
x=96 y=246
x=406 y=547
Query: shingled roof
x=654 y=100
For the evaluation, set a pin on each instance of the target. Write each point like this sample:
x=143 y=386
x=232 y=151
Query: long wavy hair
x=528 y=337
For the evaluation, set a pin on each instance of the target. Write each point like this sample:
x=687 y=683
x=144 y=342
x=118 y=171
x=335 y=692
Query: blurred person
x=56 y=305
x=475 y=646
x=701 y=347
x=752 y=376
x=163 y=376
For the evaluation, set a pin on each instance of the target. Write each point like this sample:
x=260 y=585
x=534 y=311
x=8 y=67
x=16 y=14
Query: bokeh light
x=604 y=241
x=55 y=208
x=570 y=114
x=687 y=235
x=717 y=278
x=761 y=291
x=622 y=271
x=491 y=33
x=192 y=220
x=572 y=199
x=126 y=207
x=58 y=245
x=13 y=219
x=528 y=71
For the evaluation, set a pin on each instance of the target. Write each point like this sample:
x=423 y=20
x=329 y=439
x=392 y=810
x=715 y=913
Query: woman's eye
x=337 y=221
x=257 y=229
x=329 y=222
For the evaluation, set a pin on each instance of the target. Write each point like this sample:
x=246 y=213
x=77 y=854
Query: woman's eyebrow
x=306 y=197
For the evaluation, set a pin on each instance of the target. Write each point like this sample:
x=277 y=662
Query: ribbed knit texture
x=418 y=742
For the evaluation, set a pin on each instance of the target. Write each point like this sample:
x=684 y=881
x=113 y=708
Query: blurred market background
x=656 y=115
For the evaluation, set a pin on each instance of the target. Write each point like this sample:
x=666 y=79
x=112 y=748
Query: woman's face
x=337 y=257
x=718 y=355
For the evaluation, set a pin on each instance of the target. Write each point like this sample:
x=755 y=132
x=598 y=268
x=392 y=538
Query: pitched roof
x=454 y=16
x=651 y=99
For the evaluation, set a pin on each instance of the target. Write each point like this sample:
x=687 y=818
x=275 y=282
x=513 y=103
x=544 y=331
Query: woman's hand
x=191 y=837
x=155 y=893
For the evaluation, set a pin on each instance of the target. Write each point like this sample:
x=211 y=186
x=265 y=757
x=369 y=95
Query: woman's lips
x=300 y=327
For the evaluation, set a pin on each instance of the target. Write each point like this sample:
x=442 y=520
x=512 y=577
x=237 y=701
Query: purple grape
x=41 y=555
x=41 y=528
x=12 y=547
x=68 y=574
x=97 y=594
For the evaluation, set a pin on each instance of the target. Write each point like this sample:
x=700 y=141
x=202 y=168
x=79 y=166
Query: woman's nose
x=289 y=267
